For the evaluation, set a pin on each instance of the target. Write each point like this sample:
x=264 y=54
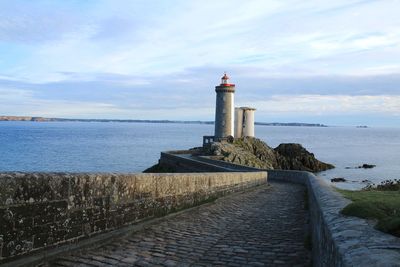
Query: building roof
x=247 y=108
x=225 y=77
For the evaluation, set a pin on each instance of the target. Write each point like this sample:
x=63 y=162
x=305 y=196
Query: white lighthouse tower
x=224 y=109
x=228 y=121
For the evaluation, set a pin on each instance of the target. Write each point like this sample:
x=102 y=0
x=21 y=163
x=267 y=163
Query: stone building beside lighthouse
x=244 y=122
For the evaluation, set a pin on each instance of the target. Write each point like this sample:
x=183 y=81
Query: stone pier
x=266 y=226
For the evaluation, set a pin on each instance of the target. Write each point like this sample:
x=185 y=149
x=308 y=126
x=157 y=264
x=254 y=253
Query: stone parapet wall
x=43 y=210
x=339 y=240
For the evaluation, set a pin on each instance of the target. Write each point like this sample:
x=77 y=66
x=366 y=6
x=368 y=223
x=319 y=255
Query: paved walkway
x=262 y=227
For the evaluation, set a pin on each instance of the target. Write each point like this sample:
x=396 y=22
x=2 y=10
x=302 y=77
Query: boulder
x=338 y=180
x=364 y=166
x=296 y=157
x=367 y=166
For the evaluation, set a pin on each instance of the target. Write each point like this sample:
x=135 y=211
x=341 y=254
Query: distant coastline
x=43 y=119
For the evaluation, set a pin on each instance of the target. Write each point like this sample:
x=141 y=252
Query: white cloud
x=12 y=94
x=383 y=69
x=328 y=105
x=170 y=37
x=22 y=102
x=114 y=58
x=353 y=43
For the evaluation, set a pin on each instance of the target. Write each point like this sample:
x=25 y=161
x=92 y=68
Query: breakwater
x=39 y=211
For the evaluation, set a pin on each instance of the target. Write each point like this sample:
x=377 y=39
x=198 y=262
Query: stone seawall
x=43 y=210
x=338 y=240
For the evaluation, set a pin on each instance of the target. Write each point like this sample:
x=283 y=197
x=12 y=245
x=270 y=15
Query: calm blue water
x=345 y=147
x=132 y=147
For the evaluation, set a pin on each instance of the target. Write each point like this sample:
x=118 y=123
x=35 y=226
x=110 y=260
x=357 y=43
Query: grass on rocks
x=380 y=202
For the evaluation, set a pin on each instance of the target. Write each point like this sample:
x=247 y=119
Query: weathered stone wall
x=338 y=240
x=39 y=210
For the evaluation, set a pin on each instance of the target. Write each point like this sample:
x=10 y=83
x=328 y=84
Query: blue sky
x=332 y=62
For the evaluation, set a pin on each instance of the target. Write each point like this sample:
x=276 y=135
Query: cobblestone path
x=262 y=227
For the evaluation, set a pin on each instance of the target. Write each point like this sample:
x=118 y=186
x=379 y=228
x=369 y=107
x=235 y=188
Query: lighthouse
x=224 y=109
x=227 y=123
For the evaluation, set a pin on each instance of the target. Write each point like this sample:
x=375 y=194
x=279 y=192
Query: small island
x=234 y=141
x=255 y=153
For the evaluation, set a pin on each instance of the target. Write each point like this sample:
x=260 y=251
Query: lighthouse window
x=223 y=123
x=224 y=98
x=224 y=111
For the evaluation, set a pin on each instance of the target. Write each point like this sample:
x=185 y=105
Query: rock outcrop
x=338 y=180
x=296 y=157
x=367 y=166
x=245 y=155
x=255 y=153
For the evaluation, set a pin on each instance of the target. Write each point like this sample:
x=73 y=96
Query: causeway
x=263 y=226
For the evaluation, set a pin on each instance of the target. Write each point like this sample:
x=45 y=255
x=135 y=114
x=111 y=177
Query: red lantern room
x=225 y=80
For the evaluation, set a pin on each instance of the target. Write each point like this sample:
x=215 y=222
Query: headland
x=44 y=119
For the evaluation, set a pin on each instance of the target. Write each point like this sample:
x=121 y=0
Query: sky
x=332 y=62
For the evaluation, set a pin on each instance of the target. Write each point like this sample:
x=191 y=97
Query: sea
x=132 y=147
